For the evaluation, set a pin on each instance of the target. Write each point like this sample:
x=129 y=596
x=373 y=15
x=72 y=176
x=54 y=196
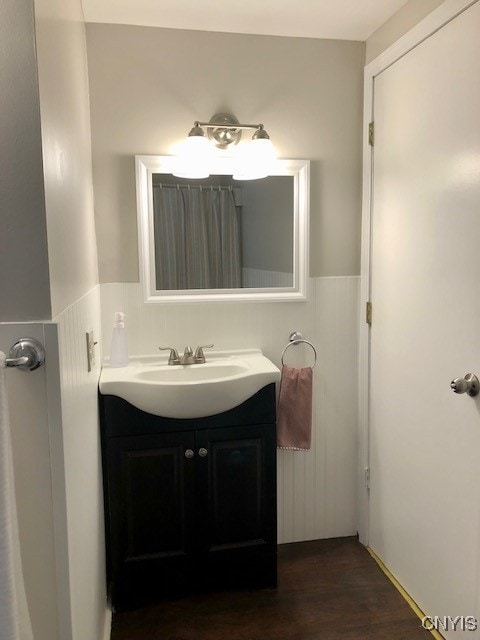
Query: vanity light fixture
x=251 y=160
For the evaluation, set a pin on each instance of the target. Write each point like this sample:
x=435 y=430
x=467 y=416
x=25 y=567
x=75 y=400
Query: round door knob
x=189 y=454
x=469 y=385
x=203 y=453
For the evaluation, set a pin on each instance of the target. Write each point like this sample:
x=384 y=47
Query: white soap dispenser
x=118 y=349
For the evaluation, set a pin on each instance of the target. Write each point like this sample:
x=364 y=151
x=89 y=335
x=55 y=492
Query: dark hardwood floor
x=327 y=590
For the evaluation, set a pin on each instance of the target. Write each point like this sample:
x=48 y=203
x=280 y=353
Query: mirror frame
x=146 y=166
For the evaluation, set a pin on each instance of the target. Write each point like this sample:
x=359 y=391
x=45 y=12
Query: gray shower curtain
x=197 y=238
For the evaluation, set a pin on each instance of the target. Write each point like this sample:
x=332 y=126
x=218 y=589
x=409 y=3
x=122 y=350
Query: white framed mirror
x=222 y=239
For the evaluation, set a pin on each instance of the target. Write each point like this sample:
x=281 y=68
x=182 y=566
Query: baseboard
x=108 y=624
x=421 y=615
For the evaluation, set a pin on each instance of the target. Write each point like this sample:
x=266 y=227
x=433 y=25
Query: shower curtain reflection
x=197 y=238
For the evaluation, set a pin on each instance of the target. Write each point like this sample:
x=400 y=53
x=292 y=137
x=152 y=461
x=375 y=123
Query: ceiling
x=337 y=19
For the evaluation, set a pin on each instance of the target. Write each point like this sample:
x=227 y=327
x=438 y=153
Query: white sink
x=227 y=379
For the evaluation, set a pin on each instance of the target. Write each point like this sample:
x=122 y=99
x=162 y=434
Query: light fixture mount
x=224 y=136
x=252 y=161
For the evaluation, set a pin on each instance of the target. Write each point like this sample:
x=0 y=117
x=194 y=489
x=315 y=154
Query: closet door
x=425 y=439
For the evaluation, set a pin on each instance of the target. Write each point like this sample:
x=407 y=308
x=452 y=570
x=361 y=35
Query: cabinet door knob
x=203 y=453
x=189 y=453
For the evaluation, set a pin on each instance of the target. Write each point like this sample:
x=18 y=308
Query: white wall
x=66 y=142
x=76 y=464
x=316 y=489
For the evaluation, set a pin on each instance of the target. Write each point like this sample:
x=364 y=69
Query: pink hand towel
x=294 y=422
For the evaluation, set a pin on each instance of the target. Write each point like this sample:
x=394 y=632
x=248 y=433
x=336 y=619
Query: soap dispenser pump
x=118 y=350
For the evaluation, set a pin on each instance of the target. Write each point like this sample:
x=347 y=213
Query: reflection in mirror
x=221 y=238
x=217 y=233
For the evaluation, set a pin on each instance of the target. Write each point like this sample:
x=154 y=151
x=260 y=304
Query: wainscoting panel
x=82 y=461
x=316 y=489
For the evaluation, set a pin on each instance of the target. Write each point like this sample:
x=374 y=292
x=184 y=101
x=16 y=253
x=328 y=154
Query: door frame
x=438 y=18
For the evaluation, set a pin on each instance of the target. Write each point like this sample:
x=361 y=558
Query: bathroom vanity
x=190 y=503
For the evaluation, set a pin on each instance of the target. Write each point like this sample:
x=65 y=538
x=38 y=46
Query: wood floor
x=327 y=590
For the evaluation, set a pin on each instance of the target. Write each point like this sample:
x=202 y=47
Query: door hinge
x=368 y=313
x=371 y=133
x=367 y=477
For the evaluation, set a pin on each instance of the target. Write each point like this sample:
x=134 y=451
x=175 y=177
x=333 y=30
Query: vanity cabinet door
x=236 y=498
x=152 y=515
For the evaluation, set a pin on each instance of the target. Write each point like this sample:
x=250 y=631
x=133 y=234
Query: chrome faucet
x=189 y=357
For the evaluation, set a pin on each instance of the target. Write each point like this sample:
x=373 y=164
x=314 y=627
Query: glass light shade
x=255 y=160
x=194 y=158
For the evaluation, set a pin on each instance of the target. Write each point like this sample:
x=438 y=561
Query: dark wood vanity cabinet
x=189 y=504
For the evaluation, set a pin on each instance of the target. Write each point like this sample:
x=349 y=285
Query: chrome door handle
x=469 y=385
x=27 y=354
x=189 y=453
x=203 y=453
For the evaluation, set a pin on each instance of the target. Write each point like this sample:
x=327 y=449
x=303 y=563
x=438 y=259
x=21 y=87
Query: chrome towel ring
x=296 y=338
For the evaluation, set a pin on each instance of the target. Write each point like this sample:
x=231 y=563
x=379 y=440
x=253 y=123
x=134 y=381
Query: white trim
x=58 y=480
x=364 y=333
x=446 y=12
x=59 y=315
x=435 y=20
x=146 y=166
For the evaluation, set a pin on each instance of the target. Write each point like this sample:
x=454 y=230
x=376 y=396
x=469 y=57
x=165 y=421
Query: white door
x=424 y=506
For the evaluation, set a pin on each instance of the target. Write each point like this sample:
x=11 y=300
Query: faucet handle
x=199 y=355
x=173 y=357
